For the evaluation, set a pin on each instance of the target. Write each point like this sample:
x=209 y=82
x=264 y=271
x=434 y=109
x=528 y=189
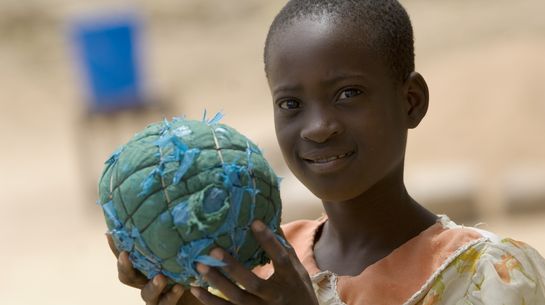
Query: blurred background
x=478 y=156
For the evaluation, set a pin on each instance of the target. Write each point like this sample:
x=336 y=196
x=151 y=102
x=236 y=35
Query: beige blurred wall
x=482 y=142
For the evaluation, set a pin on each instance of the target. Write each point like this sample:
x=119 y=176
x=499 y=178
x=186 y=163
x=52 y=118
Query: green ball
x=178 y=189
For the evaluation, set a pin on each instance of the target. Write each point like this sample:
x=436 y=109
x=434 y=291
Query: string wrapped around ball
x=180 y=188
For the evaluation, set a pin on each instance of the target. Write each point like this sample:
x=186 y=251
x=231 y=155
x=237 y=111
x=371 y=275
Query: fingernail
x=202 y=268
x=177 y=289
x=195 y=291
x=156 y=281
x=258 y=225
x=121 y=260
x=217 y=253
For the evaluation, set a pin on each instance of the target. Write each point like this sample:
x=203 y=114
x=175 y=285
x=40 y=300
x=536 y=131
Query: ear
x=417 y=98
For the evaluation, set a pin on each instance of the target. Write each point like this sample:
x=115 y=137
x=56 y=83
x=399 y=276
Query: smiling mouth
x=329 y=159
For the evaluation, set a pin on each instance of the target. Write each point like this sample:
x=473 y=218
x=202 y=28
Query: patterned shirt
x=446 y=264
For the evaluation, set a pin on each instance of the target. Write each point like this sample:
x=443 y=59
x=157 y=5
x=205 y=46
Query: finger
x=207 y=298
x=153 y=289
x=235 y=294
x=239 y=273
x=112 y=244
x=280 y=256
x=173 y=296
x=127 y=274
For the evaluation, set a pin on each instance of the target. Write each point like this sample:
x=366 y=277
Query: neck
x=383 y=217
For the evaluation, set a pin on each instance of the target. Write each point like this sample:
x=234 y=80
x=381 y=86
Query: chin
x=336 y=193
x=327 y=190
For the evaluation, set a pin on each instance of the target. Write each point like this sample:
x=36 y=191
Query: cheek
x=285 y=136
x=381 y=136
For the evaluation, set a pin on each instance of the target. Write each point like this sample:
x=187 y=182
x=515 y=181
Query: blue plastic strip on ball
x=190 y=253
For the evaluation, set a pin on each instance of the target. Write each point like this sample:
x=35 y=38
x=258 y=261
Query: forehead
x=320 y=48
x=317 y=32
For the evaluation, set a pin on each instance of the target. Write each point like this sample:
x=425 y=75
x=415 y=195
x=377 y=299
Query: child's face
x=340 y=117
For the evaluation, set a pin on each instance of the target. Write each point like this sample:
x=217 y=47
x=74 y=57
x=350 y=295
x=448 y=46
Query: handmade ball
x=178 y=189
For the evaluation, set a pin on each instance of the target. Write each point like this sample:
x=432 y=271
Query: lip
x=327 y=161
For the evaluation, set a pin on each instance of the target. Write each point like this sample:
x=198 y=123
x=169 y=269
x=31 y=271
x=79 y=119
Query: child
x=341 y=74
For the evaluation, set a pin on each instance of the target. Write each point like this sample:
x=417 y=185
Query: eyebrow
x=337 y=76
x=283 y=88
x=334 y=77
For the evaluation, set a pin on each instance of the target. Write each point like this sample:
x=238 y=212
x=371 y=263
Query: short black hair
x=384 y=24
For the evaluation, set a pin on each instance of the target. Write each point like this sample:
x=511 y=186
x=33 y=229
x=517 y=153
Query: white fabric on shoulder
x=508 y=272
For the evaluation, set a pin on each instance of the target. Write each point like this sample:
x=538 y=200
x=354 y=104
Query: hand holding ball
x=180 y=188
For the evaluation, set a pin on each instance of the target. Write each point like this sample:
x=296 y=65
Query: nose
x=320 y=126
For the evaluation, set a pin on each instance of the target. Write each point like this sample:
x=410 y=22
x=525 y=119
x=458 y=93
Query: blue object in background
x=107 y=51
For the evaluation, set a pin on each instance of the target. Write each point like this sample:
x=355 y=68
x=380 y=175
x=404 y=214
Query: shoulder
x=300 y=235
x=508 y=255
x=509 y=259
x=300 y=231
x=494 y=270
x=511 y=271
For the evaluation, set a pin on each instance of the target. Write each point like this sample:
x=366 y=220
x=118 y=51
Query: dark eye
x=289 y=104
x=348 y=93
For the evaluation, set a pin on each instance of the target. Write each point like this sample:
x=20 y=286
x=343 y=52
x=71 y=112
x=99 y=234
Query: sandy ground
x=483 y=61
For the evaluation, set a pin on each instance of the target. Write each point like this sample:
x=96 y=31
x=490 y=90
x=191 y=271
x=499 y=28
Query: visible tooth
x=331 y=158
